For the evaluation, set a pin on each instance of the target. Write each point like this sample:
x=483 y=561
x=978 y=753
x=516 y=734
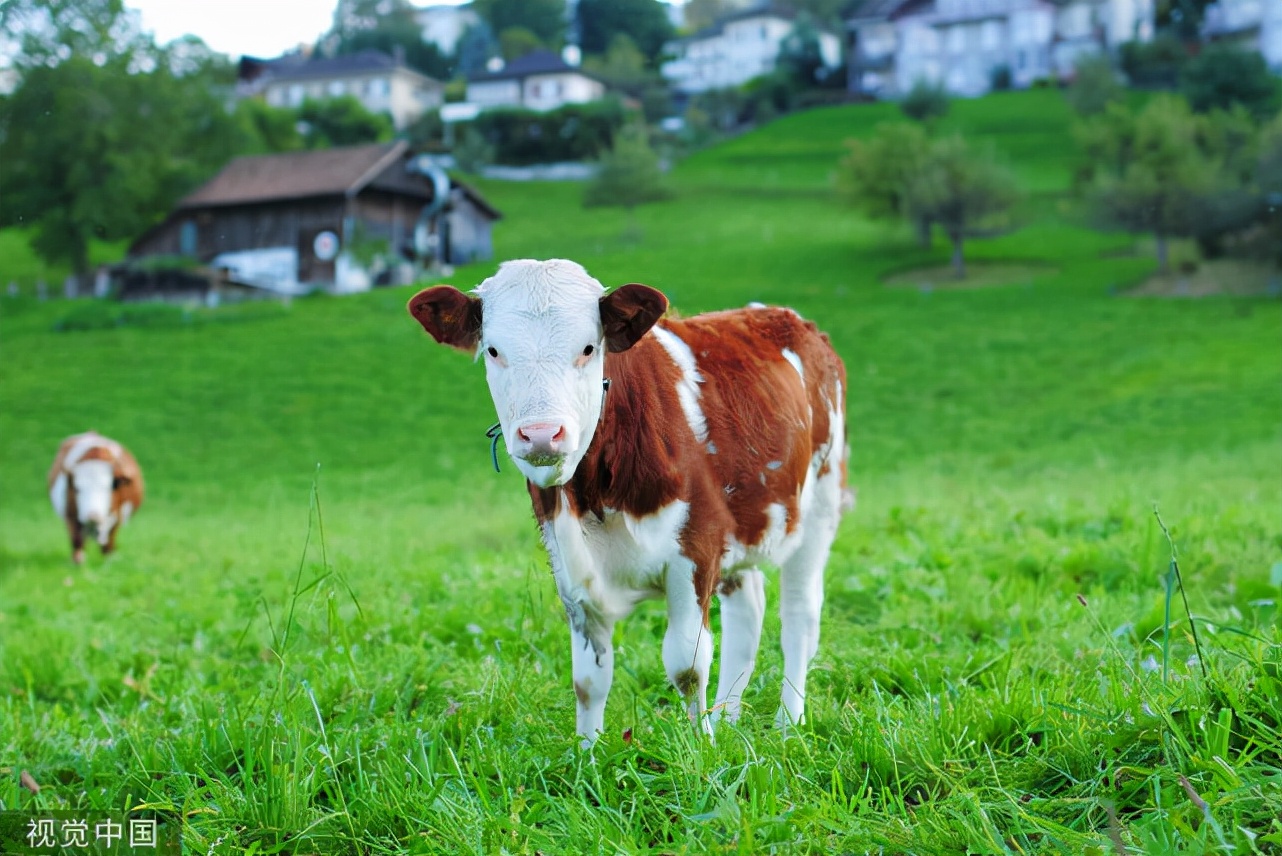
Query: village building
x=339 y=219
x=1254 y=25
x=966 y=45
x=537 y=81
x=382 y=83
x=739 y=47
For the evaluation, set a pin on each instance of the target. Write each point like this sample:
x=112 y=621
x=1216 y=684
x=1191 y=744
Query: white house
x=382 y=83
x=960 y=44
x=736 y=49
x=1253 y=24
x=537 y=81
x=443 y=26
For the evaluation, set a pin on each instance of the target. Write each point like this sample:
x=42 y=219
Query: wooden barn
x=341 y=219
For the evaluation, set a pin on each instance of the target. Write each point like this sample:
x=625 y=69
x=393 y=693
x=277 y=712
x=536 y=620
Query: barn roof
x=290 y=175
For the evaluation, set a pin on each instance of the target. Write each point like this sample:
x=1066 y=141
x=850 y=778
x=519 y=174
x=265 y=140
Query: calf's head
x=543 y=328
x=95 y=480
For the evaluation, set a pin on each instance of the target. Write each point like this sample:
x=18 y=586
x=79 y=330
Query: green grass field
x=331 y=628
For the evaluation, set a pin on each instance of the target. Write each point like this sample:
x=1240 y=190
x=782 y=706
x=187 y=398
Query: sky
x=262 y=28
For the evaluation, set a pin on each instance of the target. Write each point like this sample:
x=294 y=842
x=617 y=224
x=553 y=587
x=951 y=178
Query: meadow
x=331 y=628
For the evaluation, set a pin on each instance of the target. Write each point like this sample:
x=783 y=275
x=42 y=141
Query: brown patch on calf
x=581 y=693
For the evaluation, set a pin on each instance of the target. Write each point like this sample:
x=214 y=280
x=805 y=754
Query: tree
x=963 y=191
x=516 y=42
x=800 y=56
x=875 y=174
x=1148 y=172
x=342 y=121
x=1224 y=75
x=388 y=26
x=48 y=32
x=103 y=151
x=476 y=47
x=901 y=173
x=644 y=22
x=1182 y=18
x=629 y=175
x=544 y=18
x=1269 y=182
x=704 y=13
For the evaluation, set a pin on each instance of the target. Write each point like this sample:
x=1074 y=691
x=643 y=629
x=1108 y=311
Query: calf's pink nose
x=541 y=437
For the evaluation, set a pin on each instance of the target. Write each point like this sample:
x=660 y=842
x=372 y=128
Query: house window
x=536 y=90
x=187 y=238
x=295 y=94
x=991 y=35
x=336 y=88
x=956 y=40
x=378 y=86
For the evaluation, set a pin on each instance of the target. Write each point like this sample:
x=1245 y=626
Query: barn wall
x=243 y=227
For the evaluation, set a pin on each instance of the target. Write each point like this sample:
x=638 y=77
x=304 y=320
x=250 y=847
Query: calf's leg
x=687 y=646
x=743 y=608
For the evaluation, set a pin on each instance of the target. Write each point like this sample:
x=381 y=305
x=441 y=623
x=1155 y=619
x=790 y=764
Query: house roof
x=538 y=62
x=291 y=175
x=875 y=9
x=364 y=62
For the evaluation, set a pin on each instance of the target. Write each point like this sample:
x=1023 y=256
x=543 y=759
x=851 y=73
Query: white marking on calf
x=688 y=387
x=795 y=361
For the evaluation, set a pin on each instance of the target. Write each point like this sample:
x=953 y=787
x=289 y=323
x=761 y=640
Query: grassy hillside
x=369 y=656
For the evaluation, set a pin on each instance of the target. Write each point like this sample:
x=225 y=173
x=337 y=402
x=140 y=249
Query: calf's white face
x=542 y=329
x=94 y=483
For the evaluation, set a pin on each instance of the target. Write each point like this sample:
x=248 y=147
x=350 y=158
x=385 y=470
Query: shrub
x=575 y=132
x=1156 y=64
x=1095 y=86
x=925 y=101
x=1224 y=76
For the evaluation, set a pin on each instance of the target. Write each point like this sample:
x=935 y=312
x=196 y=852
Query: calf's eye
x=588 y=351
x=492 y=351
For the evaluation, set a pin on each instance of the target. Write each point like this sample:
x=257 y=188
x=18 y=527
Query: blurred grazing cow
x=665 y=459
x=95 y=486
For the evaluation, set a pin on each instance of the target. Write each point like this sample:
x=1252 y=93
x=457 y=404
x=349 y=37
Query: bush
x=925 y=101
x=575 y=132
x=1095 y=86
x=1224 y=76
x=1156 y=64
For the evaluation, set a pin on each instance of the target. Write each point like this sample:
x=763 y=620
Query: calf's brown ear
x=628 y=312
x=452 y=317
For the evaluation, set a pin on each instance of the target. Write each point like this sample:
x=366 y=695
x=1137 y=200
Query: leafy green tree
x=704 y=13
x=1181 y=18
x=267 y=129
x=1148 y=172
x=629 y=175
x=963 y=191
x=800 y=56
x=1269 y=182
x=47 y=32
x=1223 y=76
x=925 y=102
x=342 y=121
x=475 y=48
x=1095 y=85
x=644 y=22
x=623 y=65
x=900 y=172
x=876 y=171
x=103 y=150
x=516 y=42
x=544 y=18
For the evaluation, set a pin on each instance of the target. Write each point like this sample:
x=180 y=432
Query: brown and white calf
x=666 y=458
x=95 y=486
